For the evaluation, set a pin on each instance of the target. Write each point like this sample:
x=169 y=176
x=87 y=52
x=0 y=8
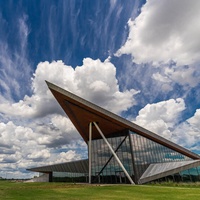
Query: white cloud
x=94 y=80
x=60 y=131
x=68 y=156
x=188 y=133
x=23 y=32
x=161 y=117
x=17 y=142
x=186 y=76
x=20 y=146
x=194 y=121
x=15 y=68
x=39 y=155
x=164 y=31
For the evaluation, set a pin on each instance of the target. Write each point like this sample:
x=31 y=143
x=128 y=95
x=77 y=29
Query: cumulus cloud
x=161 y=117
x=21 y=146
x=58 y=132
x=68 y=156
x=194 y=121
x=165 y=31
x=20 y=142
x=39 y=155
x=188 y=134
x=94 y=80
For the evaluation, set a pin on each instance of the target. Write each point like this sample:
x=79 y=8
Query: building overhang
x=79 y=166
x=82 y=112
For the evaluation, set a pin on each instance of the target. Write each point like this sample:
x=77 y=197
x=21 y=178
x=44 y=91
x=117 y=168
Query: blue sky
x=139 y=59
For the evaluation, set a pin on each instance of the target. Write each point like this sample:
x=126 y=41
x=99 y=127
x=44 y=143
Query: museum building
x=119 y=151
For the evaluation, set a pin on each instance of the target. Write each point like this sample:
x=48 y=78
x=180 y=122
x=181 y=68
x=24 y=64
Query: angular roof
x=82 y=112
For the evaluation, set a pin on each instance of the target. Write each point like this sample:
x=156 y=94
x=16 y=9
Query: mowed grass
x=41 y=191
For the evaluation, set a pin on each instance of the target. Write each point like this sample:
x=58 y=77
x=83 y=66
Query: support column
x=50 y=176
x=114 y=154
x=90 y=152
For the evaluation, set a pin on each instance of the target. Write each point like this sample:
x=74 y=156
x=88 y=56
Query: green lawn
x=57 y=191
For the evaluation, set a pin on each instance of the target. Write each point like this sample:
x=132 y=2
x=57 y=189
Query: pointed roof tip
x=52 y=86
x=48 y=83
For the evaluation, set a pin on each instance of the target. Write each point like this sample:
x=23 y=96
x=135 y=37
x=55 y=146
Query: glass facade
x=136 y=153
x=146 y=152
x=69 y=177
x=105 y=168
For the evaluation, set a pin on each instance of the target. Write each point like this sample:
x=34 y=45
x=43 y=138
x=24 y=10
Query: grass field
x=57 y=191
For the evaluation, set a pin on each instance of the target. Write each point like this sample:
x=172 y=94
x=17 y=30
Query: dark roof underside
x=80 y=166
x=82 y=112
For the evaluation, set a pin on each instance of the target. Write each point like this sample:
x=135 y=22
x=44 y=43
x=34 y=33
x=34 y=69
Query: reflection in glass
x=136 y=153
x=105 y=169
x=146 y=152
x=69 y=177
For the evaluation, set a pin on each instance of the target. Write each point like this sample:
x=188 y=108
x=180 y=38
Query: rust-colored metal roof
x=82 y=112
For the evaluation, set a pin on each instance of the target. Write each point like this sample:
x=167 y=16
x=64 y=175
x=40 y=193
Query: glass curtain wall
x=105 y=168
x=146 y=151
x=136 y=153
x=69 y=177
